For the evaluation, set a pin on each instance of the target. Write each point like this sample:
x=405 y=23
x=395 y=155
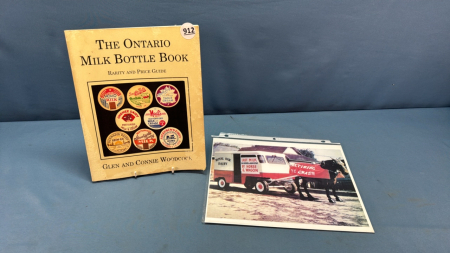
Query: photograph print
x=283 y=184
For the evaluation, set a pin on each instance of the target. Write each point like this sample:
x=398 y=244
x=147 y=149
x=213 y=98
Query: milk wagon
x=254 y=169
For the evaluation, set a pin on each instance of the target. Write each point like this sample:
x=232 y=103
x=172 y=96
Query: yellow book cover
x=139 y=93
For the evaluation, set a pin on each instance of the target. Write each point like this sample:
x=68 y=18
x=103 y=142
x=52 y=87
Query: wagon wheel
x=222 y=183
x=262 y=187
x=290 y=188
x=248 y=186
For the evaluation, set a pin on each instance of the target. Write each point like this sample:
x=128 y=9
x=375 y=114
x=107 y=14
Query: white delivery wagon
x=257 y=169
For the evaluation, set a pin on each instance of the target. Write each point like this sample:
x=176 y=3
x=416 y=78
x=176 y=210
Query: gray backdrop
x=257 y=56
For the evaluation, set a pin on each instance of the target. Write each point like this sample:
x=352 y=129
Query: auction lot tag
x=187 y=30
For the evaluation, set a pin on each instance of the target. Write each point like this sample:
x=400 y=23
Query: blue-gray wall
x=257 y=56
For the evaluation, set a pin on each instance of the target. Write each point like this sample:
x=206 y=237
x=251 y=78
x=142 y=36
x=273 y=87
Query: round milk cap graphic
x=118 y=142
x=156 y=118
x=144 y=139
x=167 y=95
x=139 y=96
x=128 y=119
x=111 y=98
x=171 y=137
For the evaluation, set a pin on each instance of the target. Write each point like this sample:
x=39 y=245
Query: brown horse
x=334 y=166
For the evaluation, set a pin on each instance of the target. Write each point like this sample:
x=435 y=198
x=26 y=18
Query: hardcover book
x=139 y=93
